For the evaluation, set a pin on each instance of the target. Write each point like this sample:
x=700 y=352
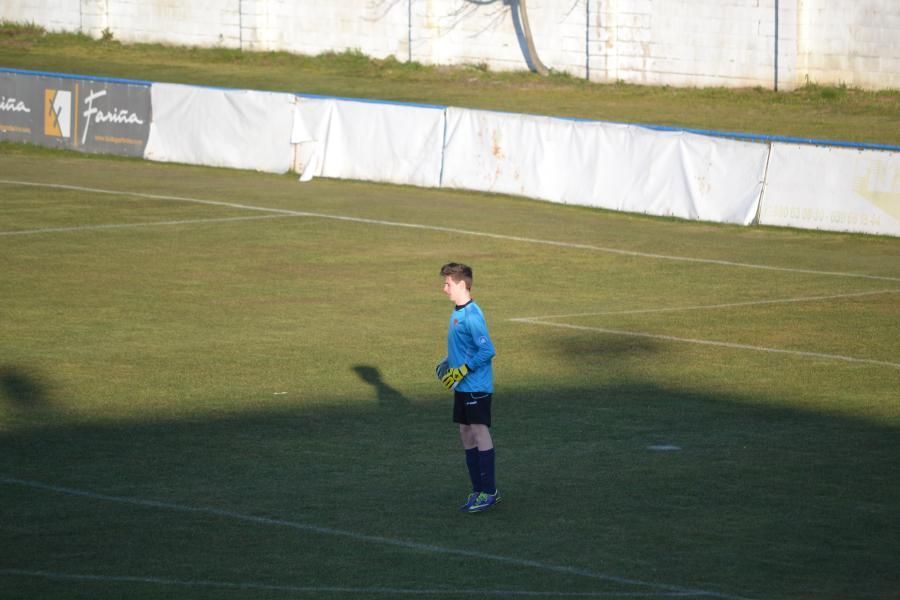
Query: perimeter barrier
x=658 y=171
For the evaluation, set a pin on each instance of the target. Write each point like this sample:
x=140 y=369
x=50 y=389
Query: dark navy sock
x=486 y=463
x=474 y=469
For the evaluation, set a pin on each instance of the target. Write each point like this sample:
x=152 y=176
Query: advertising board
x=90 y=115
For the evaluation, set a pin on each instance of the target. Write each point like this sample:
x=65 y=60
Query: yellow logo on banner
x=58 y=113
x=881 y=184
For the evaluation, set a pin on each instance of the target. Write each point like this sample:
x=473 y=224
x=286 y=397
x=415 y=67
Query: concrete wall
x=200 y=22
x=690 y=42
x=55 y=15
x=857 y=43
x=728 y=43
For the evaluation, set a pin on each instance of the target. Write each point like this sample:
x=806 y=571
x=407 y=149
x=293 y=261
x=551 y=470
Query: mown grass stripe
x=731 y=345
x=497 y=236
x=361 y=537
x=642 y=311
x=131 y=225
x=305 y=589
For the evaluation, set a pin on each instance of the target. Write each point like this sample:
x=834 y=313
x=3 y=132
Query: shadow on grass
x=23 y=388
x=758 y=502
x=388 y=397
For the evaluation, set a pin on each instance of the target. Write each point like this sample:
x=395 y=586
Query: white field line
x=733 y=346
x=496 y=236
x=360 y=537
x=642 y=311
x=130 y=225
x=305 y=589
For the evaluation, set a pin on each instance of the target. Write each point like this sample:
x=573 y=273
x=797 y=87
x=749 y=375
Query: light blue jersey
x=468 y=342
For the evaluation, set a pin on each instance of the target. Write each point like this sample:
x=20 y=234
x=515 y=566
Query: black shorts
x=472 y=408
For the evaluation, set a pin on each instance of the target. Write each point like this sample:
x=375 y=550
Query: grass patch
x=222 y=397
x=834 y=113
x=18 y=36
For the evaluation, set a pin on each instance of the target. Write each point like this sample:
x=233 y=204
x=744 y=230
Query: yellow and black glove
x=454 y=375
x=441 y=369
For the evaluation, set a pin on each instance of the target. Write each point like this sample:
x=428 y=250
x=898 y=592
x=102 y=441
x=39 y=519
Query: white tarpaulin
x=221 y=128
x=312 y=118
x=835 y=189
x=371 y=141
x=620 y=167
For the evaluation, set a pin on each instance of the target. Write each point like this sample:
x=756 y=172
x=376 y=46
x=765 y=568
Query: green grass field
x=236 y=399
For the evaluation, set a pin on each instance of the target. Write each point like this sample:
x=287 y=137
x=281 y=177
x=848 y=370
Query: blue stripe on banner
x=371 y=101
x=69 y=76
x=749 y=137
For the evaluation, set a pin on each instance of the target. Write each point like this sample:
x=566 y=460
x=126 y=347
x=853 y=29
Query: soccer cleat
x=484 y=501
x=469 y=502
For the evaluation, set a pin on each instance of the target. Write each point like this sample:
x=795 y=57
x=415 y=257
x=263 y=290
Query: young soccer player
x=467 y=370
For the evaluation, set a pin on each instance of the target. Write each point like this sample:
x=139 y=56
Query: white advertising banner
x=375 y=141
x=221 y=128
x=619 y=167
x=835 y=189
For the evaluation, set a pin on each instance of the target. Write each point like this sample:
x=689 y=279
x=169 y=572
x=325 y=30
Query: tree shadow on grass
x=759 y=502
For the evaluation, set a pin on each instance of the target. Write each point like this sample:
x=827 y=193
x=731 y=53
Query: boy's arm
x=484 y=346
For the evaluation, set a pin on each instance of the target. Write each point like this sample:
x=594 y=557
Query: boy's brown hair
x=457 y=272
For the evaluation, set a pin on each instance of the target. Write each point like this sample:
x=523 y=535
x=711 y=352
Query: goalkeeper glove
x=454 y=375
x=441 y=369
